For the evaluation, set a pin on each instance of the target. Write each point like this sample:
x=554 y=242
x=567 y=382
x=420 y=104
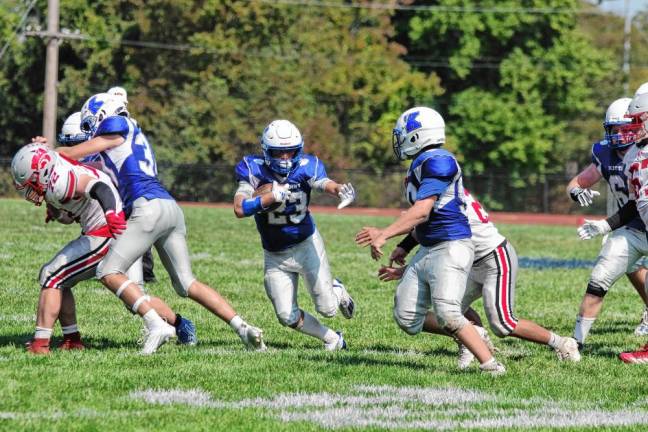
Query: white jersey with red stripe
x=61 y=194
x=485 y=236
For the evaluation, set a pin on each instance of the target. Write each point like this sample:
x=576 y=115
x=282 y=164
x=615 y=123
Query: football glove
x=280 y=193
x=593 y=228
x=347 y=195
x=116 y=222
x=584 y=197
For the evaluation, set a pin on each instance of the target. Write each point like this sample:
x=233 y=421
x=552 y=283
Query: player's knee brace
x=595 y=290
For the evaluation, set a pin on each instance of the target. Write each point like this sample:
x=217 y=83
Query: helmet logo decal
x=94 y=104
x=412 y=123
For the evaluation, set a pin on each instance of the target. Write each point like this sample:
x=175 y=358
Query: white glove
x=280 y=192
x=347 y=195
x=584 y=197
x=593 y=228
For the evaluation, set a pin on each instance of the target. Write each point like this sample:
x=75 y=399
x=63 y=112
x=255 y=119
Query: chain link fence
x=215 y=183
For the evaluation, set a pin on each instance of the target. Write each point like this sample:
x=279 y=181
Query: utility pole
x=51 y=73
x=627 y=30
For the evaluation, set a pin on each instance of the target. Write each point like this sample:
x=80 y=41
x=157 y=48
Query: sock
x=70 y=329
x=554 y=340
x=236 y=323
x=42 y=333
x=152 y=319
x=313 y=327
x=178 y=320
x=582 y=328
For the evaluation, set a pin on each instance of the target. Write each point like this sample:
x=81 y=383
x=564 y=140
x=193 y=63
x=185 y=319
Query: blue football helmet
x=98 y=108
x=281 y=136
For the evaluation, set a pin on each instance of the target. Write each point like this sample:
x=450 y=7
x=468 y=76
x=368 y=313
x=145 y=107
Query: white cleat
x=568 y=350
x=339 y=344
x=642 y=328
x=347 y=305
x=156 y=337
x=252 y=337
x=493 y=367
x=465 y=356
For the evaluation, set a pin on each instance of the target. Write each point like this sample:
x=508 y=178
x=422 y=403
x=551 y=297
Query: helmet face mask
x=279 y=138
x=32 y=168
x=615 y=118
x=416 y=129
x=634 y=132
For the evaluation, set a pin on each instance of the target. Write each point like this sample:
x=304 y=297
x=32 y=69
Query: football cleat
x=71 y=342
x=568 y=350
x=642 y=328
x=347 y=305
x=186 y=331
x=339 y=344
x=465 y=356
x=252 y=337
x=39 y=346
x=639 y=356
x=493 y=367
x=156 y=337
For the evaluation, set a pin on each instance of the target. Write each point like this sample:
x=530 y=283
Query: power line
x=442 y=9
x=18 y=29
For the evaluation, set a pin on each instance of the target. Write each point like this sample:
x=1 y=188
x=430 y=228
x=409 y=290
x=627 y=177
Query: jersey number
x=297 y=198
x=480 y=212
x=147 y=162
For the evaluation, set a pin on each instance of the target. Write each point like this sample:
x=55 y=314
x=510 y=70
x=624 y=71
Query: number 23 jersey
x=291 y=223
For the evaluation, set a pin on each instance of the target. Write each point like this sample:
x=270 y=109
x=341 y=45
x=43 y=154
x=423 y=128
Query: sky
x=617 y=6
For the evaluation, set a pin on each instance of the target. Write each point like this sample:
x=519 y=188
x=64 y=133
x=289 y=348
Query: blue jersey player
x=622 y=251
x=437 y=275
x=154 y=218
x=291 y=243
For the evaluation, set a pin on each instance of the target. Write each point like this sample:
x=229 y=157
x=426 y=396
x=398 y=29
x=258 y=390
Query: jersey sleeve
x=115 y=125
x=64 y=187
x=319 y=177
x=242 y=172
x=436 y=175
x=596 y=160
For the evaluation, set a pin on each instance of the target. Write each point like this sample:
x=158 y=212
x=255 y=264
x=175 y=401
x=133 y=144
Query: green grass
x=91 y=390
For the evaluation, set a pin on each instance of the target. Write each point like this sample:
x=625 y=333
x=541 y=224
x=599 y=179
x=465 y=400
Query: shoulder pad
x=439 y=166
x=115 y=125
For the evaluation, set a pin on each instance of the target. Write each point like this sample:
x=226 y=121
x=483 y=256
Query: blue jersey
x=436 y=173
x=291 y=223
x=610 y=164
x=131 y=165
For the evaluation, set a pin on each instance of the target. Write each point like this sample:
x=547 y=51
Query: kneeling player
x=493 y=276
x=292 y=246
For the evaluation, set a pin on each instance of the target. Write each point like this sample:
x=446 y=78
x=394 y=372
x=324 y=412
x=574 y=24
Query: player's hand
x=51 y=213
x=280 y=192
x=116 y=222
x=390 y=273
x=347 y=195
x=593 y=228
x=376 y=247
x=366 y=235
x=584 y=197
x=397 y=256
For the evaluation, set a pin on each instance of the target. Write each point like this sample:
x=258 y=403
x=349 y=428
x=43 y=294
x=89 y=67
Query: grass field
x=386 y=380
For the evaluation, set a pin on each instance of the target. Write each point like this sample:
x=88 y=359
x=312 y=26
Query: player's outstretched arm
x=345 y=192
x=92 y=146
x=578 y=189
x=593 y=228
x=108 y=199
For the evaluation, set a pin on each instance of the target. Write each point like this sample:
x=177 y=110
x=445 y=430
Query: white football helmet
x=98 y=108
x=416 y=129
x=615 y=116
x=643 y=88
x=71 y=132
x=120 y=93
x=281 y=135
x=635 y=131
x=32 y=167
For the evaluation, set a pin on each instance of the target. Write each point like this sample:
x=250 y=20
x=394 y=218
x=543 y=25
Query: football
x=266 y=189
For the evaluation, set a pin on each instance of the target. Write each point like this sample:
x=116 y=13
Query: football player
x=154 y=217
x=493 y=275
x=292 y=245
x=75 y=192
x=613 y=260
x=438 y=273
x=636 y=171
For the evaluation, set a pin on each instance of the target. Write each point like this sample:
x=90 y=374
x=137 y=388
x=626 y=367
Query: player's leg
x=174 y=254
x=280 y=280
x=147 y=266
x=328 y=294
x=145 y=226
x=68 y=320
x=446 y=269
x=638 y=280
x=617 y=255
